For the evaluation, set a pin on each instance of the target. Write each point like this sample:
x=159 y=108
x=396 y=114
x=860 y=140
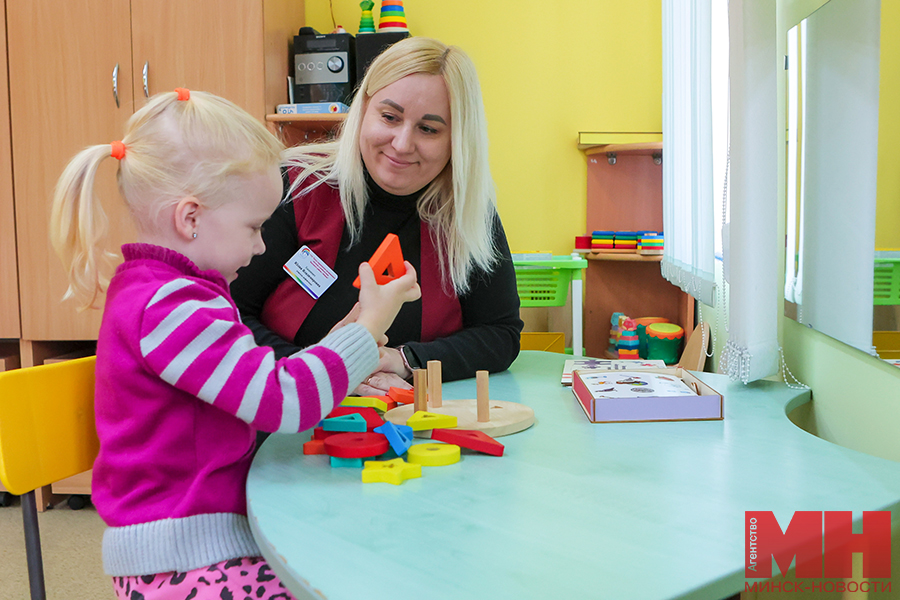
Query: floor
x=70 y=543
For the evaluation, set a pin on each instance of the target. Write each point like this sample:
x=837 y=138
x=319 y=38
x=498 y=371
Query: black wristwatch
x=409 y=359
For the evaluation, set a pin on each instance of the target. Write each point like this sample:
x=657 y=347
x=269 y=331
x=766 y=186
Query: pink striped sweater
x=181 y=390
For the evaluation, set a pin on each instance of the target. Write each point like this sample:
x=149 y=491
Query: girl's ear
x=186 y=214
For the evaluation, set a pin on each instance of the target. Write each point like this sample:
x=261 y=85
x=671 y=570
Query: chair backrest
x=694 y=356
x=47 y=428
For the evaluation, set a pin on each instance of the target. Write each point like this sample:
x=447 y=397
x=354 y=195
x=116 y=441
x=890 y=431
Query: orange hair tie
x=183 y=93
x=118 y=150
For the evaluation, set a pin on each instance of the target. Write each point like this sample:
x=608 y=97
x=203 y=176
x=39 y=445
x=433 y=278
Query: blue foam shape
x=350 y=422
x=398 y=436
x=346 y=462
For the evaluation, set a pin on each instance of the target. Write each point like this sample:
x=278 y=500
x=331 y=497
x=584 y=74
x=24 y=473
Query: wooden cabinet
x=238 y=49
x=9 y=273
x=624 y=193
x=62 y=56
x=61 y=61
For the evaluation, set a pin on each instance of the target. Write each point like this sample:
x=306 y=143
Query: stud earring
x=195 y=235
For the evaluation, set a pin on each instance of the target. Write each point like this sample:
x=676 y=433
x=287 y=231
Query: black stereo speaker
x=324 y=67
x=370 y=45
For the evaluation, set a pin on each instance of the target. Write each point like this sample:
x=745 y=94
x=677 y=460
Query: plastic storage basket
x=887 y=281
x=546 y=282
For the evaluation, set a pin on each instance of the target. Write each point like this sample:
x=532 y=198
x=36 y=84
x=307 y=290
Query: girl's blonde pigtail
x=79 y=227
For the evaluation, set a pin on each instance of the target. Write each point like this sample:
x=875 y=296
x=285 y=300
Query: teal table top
x=571 y=510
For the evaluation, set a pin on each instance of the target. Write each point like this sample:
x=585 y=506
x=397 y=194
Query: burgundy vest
x=320 y=224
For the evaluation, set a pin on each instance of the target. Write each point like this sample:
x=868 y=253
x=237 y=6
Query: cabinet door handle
x=116 y=84
x=146 y=77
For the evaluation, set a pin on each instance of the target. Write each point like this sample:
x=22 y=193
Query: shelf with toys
x=624 y=194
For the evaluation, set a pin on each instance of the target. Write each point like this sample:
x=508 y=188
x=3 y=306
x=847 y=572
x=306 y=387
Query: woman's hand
x=378 y=384
x=391 y=361
x=391 y=372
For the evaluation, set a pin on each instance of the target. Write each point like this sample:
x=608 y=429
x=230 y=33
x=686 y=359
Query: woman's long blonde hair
x=459 y=205
x=172 y=148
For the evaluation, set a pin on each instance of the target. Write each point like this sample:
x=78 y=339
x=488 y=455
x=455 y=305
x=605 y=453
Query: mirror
x=834 y=282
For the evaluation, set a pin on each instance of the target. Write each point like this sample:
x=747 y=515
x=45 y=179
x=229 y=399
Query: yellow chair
x=47 y=433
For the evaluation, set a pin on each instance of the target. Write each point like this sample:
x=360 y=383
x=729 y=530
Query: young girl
x=181 y=387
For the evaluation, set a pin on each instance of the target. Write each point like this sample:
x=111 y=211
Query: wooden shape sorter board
x=506 y=417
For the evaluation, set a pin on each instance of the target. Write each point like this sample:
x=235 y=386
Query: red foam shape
x=356 y=445
x=368 y=413
x=320 y=434
x=401 y=396
x=314 y=447
x=468 y=438
x=391 y=404
x=387 y=261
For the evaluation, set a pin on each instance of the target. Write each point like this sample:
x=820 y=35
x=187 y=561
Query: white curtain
x=752 y=261
x=688 y=214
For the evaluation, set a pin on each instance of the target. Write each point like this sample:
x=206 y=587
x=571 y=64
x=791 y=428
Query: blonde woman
x=411 y=160
x=181 y=387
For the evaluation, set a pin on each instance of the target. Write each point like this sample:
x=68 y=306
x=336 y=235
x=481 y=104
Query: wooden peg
x=483 y=399
x=420 y=389
x=434 y=383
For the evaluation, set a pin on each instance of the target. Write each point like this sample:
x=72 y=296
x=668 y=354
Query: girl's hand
x=351 y=317
x=379 y=304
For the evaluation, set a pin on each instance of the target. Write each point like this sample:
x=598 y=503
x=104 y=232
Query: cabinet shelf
x=628 y=257
x=323 y=120
x=592 y=142
x=299 y=129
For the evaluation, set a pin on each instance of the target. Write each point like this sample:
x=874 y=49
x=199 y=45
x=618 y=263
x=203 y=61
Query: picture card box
x=605 y=364
x=670 y=394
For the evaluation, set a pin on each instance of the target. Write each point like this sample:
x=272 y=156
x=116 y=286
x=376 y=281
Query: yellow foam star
x=394 y=471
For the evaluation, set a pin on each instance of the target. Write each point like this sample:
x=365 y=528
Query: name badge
x=310 y=272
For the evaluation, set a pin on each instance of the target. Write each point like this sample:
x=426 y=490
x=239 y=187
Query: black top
x=489 y=339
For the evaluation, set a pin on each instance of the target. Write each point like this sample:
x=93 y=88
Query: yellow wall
x=548 y=71
x=887 y=224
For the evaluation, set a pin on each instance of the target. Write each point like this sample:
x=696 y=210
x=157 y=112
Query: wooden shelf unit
x=626 y=195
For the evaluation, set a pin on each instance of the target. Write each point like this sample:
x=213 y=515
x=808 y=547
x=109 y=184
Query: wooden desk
x=572 y=510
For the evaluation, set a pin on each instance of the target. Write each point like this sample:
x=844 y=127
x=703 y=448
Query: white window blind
x=688 y=213
x=751 y=254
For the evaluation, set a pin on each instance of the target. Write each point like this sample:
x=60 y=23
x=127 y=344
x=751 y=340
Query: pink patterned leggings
x=237 y=579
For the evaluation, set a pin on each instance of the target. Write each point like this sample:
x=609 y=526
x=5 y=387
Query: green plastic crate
x=887 y=281
x=546 y=282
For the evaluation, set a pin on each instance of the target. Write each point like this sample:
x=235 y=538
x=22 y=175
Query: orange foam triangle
x=387 y=261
